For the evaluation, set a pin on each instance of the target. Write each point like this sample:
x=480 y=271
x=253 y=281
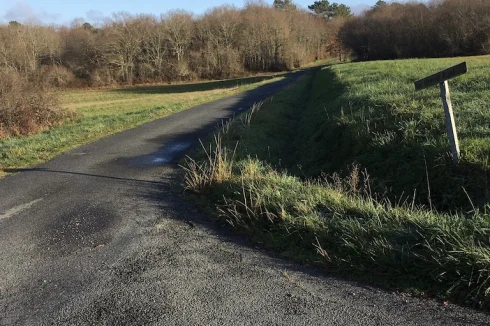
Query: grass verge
x=370 y=114
x=249 y=175
x=99 y=113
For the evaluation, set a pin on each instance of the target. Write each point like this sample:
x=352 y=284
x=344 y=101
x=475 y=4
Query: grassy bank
x=263 y=174
x=369 y=114
x=102 y=112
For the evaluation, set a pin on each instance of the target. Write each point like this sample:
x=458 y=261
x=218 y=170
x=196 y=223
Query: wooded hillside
x=438 y=28
x=178 y=45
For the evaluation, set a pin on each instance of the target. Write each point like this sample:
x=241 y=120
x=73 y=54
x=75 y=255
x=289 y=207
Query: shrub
x=25 y=106
x=57 y=76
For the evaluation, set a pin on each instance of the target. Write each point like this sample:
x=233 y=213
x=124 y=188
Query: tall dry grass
x=215 y=168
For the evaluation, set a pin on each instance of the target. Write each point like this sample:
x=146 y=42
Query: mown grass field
x=350 y=169
x=97 y=113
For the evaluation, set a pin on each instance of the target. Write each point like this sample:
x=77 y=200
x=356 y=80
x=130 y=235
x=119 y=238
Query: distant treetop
x=88 y=27
x=378 y=4
x=326 y=10
x=284 y=4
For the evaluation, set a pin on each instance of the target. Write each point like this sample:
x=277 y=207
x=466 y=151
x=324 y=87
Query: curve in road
x=100 y=236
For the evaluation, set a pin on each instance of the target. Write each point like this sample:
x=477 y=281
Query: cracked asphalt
x=101 y=236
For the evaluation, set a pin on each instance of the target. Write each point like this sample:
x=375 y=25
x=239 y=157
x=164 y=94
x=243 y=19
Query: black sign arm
x=441 y=76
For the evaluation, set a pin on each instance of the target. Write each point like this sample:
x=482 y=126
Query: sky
x=62 y=12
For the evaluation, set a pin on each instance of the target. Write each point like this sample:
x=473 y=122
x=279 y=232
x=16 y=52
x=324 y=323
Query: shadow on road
x=46 y=170
x=196 y=87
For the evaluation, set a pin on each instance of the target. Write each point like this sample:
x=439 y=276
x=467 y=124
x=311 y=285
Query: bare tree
x=123 y=44
x=217 y=33
x=179 y=27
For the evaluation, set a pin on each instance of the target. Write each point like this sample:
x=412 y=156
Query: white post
x=450 y=123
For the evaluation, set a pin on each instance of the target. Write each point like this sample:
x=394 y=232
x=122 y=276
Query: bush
x=101 y=77
x=57 y=76
x=26 y=107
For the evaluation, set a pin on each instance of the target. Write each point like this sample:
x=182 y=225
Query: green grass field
x=102 y=112
x=373 y=117
x=350 y=169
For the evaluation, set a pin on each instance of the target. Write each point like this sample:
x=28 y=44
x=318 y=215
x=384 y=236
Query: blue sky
x=64 y=11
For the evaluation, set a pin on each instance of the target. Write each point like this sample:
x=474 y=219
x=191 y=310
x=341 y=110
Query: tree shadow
x=197 y=87
x=359 y=131
x=98 y=176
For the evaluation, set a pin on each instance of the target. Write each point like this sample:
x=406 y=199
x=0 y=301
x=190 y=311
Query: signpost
x=442 y=78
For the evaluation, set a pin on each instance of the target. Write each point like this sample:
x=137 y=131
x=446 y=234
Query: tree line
x=222 y=43
x=439 y=28
x=227 y=41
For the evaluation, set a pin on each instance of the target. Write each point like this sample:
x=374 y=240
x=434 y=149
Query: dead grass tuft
x=215 y=169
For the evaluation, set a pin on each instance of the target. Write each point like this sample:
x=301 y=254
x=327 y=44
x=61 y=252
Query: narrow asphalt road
x=100 y=236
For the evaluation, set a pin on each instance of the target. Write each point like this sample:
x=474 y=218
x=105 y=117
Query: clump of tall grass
x=246 y=118
x=218 y=163
x=215 y=168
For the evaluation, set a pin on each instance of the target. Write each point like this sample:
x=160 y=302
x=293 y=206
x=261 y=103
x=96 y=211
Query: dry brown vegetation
x=224 y=42
x=26 y=107
x=440 y=28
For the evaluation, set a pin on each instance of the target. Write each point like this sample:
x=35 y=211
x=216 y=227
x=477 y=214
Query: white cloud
x=360 y=8
x=23 y=13
x=94 y=16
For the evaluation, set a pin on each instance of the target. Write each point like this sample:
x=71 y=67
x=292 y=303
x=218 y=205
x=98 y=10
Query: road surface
x=101 y=236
